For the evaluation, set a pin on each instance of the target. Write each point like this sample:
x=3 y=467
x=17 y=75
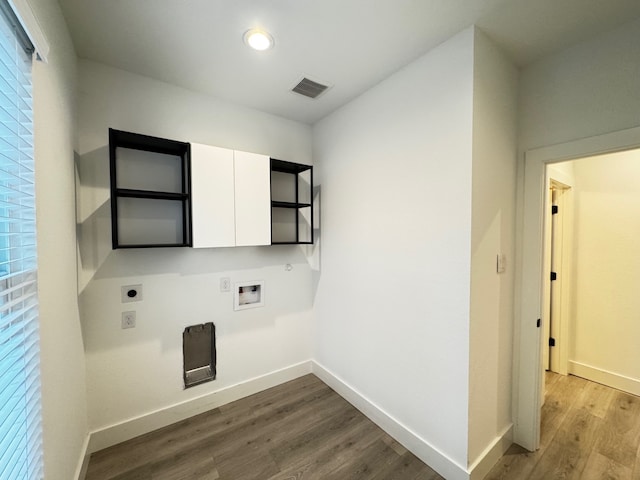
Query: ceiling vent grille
x=309 y=88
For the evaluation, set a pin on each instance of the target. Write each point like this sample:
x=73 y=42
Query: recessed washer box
x=248 y=295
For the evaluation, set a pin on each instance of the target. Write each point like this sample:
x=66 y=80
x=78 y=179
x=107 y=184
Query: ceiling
x=348 y=44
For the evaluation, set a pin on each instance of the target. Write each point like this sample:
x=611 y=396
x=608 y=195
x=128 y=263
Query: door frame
x=527 y=370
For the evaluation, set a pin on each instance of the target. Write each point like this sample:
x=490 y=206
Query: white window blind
x=20 y=424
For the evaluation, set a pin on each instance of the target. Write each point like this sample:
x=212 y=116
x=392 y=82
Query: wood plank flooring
x=301 y=430
x=589 y=432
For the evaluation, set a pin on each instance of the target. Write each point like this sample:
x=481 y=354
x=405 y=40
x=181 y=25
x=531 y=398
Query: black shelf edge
x=275 y=204
x=131 y=193
x=288 y=167
x=152 y=245
x=137 y=141
x=291 y=243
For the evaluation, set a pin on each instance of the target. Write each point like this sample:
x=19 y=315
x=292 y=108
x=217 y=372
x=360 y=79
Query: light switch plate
x=501 y=263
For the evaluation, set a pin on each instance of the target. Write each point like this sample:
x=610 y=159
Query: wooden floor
x=589 y=432
x=301 y=430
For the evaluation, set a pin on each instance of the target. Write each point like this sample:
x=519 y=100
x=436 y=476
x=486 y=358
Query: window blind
x=20 y=423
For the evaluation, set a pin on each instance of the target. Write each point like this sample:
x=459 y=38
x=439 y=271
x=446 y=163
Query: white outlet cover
x=131 y=293
x=128 y=319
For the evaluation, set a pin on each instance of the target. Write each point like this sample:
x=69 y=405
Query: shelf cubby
x=291 y=203
x=150 y=191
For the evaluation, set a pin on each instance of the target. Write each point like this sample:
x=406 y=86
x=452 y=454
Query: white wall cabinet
x=230 y=197
x=212 y=196
x=252 y=198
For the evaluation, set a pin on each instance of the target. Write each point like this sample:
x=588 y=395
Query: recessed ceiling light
x=258 y=39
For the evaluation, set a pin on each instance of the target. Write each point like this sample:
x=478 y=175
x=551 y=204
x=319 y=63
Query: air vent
x=309 y=88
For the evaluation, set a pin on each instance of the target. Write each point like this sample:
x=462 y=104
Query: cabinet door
x=212 y=195
x=252 y=199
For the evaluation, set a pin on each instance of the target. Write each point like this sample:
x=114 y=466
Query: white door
x=212 y=196
x=252 y=199
x=557 y=278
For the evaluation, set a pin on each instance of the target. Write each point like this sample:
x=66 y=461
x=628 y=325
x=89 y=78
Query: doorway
x=528 y=348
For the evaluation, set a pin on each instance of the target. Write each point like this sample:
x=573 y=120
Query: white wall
x=562 y=172
x=132 y=373
x=606 y=266
x=392 y=307
x=589 y=89
x=492 y=233
x=62 y=356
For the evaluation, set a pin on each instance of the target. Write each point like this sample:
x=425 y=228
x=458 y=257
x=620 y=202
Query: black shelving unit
x=150 y=179
x=289 y=224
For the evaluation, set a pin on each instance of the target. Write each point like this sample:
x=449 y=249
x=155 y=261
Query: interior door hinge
x=552 y=342
x=554 y=276
x=554 y=209
x=538 y=323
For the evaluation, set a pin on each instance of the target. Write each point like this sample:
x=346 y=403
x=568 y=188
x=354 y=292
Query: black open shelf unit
x=294 y=170
x=145 y=143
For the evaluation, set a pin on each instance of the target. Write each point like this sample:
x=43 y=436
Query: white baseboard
x=442 y=464
x=83 y=462
x=131 y=428
x=611 y=379
x=494 y=452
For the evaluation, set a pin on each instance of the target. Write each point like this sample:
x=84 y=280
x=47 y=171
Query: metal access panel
x=199 y=353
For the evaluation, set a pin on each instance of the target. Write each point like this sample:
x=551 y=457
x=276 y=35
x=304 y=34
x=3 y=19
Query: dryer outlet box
x=131 y=293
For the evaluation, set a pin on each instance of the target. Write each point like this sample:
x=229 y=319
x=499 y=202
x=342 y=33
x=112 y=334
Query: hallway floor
x=589 y=432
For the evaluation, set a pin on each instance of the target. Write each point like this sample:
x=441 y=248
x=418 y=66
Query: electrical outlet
x=225 y=284
x=128 y=319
